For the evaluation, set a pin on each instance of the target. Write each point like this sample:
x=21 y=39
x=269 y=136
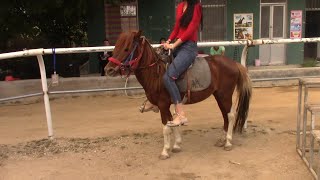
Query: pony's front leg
x=177 y=139
x=167 y=142
x=231 y=118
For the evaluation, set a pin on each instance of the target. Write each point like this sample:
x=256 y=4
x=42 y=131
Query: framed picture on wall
x=243 y=26
x=296 y=24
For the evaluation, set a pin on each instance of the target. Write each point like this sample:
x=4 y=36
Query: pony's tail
x=244 y=90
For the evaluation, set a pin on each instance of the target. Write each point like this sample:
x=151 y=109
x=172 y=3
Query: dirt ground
x=99 y=137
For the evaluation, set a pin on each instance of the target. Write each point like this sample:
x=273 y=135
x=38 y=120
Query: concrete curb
x=23 y=87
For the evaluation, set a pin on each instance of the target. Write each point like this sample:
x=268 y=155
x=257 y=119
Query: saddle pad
x=199 y=76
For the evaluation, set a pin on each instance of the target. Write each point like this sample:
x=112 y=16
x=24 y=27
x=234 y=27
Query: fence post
x=45 y=95
x=245 y=52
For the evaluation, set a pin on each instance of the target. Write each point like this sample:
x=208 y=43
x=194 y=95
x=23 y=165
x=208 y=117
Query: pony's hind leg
x=231 y=118
x=226 y=138
x=224 y=101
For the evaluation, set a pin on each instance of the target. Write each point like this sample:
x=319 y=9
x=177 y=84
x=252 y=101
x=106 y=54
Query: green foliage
x=45 y=23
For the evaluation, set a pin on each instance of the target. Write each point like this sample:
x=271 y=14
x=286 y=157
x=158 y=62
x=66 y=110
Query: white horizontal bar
x=285 y=41
x=79 y=50
x=222 y=43
x=34 y=52
x=25 y=53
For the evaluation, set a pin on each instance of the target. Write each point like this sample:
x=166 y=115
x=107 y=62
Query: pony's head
x=125 y=54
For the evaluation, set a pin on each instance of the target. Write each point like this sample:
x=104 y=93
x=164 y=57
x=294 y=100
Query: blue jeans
x=184 y=56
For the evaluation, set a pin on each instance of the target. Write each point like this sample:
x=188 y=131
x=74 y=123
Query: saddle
x=196 y=78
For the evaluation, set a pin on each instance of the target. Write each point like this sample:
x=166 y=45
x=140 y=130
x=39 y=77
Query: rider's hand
x=168 y=46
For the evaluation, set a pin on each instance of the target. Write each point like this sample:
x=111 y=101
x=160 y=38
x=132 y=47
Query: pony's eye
x=126 y=50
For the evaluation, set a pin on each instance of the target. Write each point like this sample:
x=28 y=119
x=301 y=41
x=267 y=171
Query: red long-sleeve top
x=190 y=32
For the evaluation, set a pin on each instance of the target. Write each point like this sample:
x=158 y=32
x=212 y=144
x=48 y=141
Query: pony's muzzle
x=111 y=71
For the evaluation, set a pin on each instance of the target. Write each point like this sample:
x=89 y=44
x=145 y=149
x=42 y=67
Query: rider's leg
x=185 y=55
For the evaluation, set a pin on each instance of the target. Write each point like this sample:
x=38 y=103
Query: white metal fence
x=40 y=52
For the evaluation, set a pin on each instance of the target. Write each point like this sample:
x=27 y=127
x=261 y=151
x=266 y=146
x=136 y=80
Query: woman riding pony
x=185 y=34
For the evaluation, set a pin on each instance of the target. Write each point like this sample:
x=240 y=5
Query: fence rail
x=40 y=52
x=130 y=88
x=35 y=52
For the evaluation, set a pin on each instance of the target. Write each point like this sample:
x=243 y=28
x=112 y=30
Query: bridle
x=129 y=64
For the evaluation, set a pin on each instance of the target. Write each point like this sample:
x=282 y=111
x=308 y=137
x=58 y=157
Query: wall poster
x=296 y=24
x=243 y=26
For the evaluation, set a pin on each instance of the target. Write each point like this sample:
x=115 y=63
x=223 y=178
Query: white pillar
x=45 y=95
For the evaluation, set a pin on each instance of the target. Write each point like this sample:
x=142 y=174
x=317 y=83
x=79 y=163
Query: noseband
x=130 y=63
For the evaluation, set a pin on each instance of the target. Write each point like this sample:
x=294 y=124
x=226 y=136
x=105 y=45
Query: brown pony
x=134 y=53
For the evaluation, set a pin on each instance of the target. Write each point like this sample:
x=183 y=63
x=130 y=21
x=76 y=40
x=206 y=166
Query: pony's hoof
x=220 y=143
x=227 y=148
x=163 y=157
x=176 y=150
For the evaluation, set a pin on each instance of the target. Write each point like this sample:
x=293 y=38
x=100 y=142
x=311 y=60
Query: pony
x=133 y=53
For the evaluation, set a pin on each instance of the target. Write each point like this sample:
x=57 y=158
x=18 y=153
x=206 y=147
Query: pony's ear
x=137 y=35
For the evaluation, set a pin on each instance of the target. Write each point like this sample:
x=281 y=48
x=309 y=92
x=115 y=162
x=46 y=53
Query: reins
x=131 y=64
x=152 y=64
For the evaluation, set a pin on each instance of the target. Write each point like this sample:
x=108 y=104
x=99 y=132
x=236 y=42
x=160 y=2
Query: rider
x=217 y=50
x=188 y=18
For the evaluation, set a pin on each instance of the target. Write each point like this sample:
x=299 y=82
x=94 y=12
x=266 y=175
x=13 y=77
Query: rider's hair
x=188 y=14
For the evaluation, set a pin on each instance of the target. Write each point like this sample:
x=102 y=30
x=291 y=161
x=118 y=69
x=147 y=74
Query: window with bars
x=120 y=18
x=214 y=20
x=312 y=5
x=128 y=13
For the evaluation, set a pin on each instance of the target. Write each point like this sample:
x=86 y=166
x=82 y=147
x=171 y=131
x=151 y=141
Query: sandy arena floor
x=99 y=137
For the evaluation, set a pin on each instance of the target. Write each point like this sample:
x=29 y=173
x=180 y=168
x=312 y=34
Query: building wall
x=112 y=22
x=156 y=18
x=295 y=52
x=250 y=6
x=96 y=31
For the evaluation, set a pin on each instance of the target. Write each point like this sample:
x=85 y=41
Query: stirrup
x=143 y=109
x=183 y=121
